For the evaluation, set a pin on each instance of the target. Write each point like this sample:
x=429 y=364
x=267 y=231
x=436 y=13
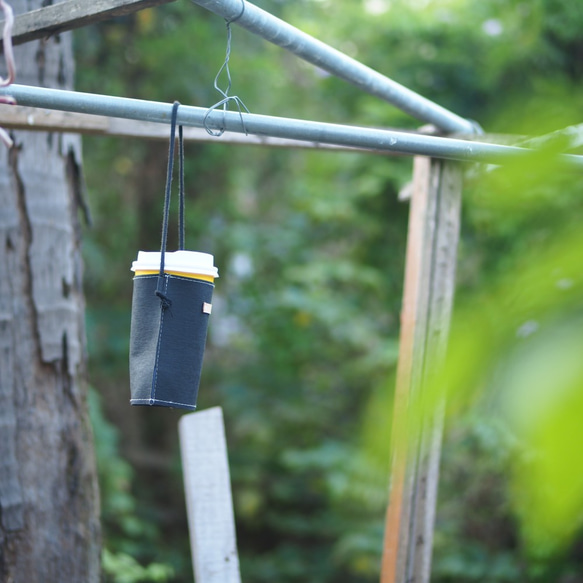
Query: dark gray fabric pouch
x=167 y=344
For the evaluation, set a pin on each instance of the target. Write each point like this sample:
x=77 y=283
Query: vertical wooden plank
x=442 y=288
x=416 y=282
x=427 y=301
x=209 y=502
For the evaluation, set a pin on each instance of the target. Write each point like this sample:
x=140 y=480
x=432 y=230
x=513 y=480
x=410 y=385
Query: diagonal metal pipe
x=284 y=35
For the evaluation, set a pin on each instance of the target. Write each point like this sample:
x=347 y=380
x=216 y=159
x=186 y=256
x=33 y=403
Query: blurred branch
x=569 y=138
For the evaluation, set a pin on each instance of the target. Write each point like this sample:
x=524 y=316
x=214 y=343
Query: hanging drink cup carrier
x=171 y=305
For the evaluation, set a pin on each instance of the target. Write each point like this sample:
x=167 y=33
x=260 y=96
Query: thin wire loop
x=240 y=13
x=224 y=103
x=7 y=44
x=10 y=65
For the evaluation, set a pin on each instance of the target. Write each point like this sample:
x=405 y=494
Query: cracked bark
x=49 y=526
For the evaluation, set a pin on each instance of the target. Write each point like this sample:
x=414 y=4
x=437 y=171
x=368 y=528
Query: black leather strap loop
x=167 y=196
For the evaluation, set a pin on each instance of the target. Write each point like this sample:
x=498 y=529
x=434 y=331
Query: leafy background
x=310 y=246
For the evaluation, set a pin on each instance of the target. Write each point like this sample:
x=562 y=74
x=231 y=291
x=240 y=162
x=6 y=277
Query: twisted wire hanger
x=226 y=97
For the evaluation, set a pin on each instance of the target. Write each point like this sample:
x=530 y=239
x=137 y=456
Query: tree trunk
x=49 y=506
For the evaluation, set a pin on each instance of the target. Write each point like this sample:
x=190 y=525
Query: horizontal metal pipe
x=303 y=45
x=46 y=120
x=277 y=127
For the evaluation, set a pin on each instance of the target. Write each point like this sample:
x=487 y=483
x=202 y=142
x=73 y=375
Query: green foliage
x=115 y=474
x=124 y=527
x=124 y=569
x=310 y=247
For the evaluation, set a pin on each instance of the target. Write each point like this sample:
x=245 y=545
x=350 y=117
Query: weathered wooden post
x=209 y=504
x=434 y=222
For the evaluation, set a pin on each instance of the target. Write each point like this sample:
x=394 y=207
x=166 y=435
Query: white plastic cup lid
x=183 y=261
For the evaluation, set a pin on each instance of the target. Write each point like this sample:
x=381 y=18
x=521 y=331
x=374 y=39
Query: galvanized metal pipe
x=277 y=127
x=303 y=45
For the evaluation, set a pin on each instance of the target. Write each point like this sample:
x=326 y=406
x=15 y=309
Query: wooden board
x=71 y=14
x=434 y=221
x=209 y=502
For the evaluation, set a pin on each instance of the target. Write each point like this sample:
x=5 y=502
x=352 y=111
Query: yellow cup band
x=180 y=273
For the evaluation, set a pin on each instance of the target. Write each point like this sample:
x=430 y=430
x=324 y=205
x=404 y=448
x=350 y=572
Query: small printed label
x=207 y=308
